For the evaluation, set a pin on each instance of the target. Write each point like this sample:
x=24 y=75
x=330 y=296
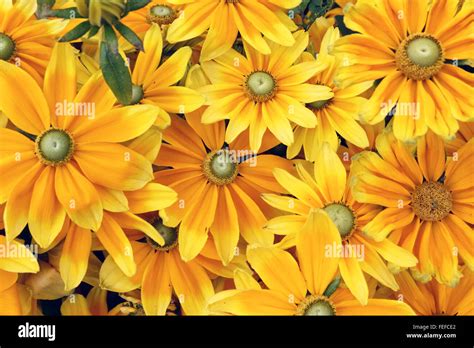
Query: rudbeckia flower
x=410 y=46
x=328 y=189
x=15 y=258
x=298 y=287
x=225 y=19
x=428 y=201
x=263 y=91
x=162 y=275
x=66 y=149
x=25 y=41
x=153 y=78
x=216 y=185
x=161 y=12
x=337 y=115
x=433 y=298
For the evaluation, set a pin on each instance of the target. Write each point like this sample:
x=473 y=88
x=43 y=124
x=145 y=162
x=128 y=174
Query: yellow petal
x=156 y=287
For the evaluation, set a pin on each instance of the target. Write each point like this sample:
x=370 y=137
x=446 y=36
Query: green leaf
x=332 y=286
x=133 y=5
x=93 y=31
x=113 y=67
x=43 y=9
x=77 y=32
x=67 y=13
x=129 y=35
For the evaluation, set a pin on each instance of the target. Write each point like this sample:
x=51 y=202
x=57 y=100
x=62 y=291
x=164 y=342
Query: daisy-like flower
x=428 y=201
x=411 y=46
x=263 y=91
x=15 y=258
x=218 y=187
x=226 y=18
x=66 y=149
x=153 y=84
x=299 y=287
x=25 y=41
x=327 y=189
x=161 y=12
x=433 y=298
x=337 y=115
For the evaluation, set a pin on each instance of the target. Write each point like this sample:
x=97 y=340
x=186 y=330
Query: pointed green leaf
x=129 y=35
x=77 y=32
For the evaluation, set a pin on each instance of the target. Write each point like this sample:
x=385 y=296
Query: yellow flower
x=75 y=158
x=15 y=258
x=260 y=92
x=226 y=18
x=298 y=287
x=336 y=115
x=327 y=189
x=434 y=298
x=409 y=45
x=25 y=41
x=153 y=78
x=218 y=187
x=95 y=303
x=428 y=200
x=161 y=12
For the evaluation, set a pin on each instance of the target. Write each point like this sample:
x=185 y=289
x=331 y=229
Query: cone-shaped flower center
x=423 y=51
x=7 y=47
x=431 y=201
x=137 y=94
x=54 y=147
x=169 y=234
x=319 y=104
x=260 y=86
x=343 y=217
x=419 y=56
x=162 y=14
x=220 y=167
x=316 y=305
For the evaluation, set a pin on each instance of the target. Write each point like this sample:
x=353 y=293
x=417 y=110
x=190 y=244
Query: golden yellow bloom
x=411 y=46
x=298 y=287
x=428 y=200
x=337 y=115
x=66 y=150
x=14 y=258
x=327 y=189
x=225 y=19
x=161 y=12
x=434 y=298
x=25 y=41
x=260 y=92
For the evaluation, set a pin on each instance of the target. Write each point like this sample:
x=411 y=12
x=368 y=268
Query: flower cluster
x=236 y=157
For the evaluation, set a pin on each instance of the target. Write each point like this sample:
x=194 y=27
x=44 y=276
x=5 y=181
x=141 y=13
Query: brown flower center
x=7 y=47
x=316 y=305
x=431 y=201
x=162 y=14
x=220 y=167
x=260 y=86
x=169 y=234
x=54 y=147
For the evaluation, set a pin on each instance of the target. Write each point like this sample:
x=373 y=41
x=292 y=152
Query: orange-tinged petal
x=156 y=286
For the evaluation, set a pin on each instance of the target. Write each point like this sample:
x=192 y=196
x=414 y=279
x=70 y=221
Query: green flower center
x=260 y=86
x=54 y=147
x=137 y=94
x=423 y=51
x=162 y=14
x=316 y=305
x=220 y=167
x=419 y=57
x=169 y=234
x=7 y=47
x=343 y=218
x=319 y=104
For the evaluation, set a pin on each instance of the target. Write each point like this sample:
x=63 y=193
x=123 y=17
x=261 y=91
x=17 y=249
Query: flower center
x=319 y=104
x=137 y=94
x=169 y=234
x=260 y=86
x=420 y=56
x=54 y=147
x=343 y=217
x=162 y=14
x=316 y=305
x=431 y=201
x=220 y=167
x=7 y=47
